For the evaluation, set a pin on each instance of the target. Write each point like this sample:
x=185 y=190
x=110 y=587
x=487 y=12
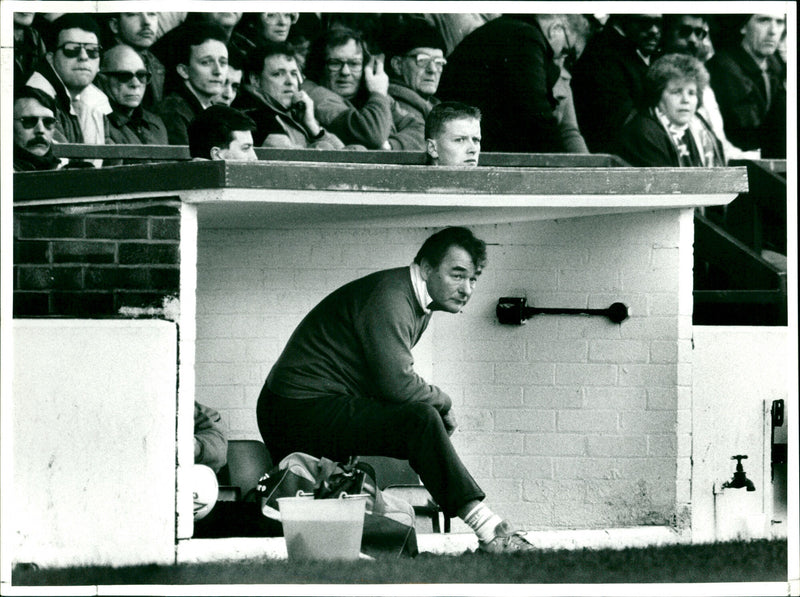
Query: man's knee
x=422 y=413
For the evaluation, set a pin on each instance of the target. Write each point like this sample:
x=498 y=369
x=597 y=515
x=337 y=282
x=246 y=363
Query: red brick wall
x=92 y=264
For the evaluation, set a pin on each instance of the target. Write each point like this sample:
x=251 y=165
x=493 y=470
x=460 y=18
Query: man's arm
x=210 y=443
x=408 y=133
x=386 y=329
x=369 y=126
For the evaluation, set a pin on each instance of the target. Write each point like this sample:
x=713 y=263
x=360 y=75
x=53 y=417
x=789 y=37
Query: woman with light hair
x=667 y=130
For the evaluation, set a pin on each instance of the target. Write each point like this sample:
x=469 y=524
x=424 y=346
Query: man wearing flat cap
x=416 y=60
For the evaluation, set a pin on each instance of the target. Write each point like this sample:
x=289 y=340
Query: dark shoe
x=506 y=540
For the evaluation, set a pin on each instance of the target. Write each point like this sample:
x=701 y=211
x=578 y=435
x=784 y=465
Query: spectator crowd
x=657 y=90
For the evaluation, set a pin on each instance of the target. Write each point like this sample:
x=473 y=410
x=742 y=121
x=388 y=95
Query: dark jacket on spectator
x=644 y=142
x=411 y=103
x=27 y=54
x=177 y=110
x=607 y=86
x=140 y=128
x=506 y=69
x=273 y=119
x=155 y=90
x=742 y=97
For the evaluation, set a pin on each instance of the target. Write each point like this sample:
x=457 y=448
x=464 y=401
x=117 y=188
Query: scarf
x=25 y=161
x=681 y=138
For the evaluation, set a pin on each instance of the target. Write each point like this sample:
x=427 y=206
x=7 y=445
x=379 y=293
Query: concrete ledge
x=244 y=548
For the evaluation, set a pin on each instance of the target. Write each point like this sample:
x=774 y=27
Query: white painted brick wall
x=565 y=421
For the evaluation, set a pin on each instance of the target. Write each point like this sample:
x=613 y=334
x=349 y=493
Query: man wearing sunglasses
x=608 y=78
x=125 y=79
x=34 y=123
x=67 y=75
x=416 y=61
x=138 y=30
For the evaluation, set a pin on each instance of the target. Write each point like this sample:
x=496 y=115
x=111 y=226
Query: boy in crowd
x=453 y=135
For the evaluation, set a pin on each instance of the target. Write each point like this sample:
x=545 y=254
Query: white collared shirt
x=420 y=288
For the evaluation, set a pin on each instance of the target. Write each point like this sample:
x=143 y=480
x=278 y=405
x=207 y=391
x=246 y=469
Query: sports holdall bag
x=388 y=522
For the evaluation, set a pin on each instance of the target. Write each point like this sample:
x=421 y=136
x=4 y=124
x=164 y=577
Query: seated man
x=750 y=86
x=453 y=135
x=345 y=383
x=608 y=78
x=222 y=133
x=505 y=68
x=352 y=100
x=194 y=78
x=415 y=63
x=68 y=73
x=210 y=455
x=138 y=30
x=233 y=80
x=29 y=47
x=124 y=78
x=34 y=123
x=284 y=115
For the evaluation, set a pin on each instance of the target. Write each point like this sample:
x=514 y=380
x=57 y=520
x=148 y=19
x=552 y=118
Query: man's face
x=240 y=148
x=71 y=58
x=137 y=29
x=679 y=101
x=126 y=75
x=207 y=68
x=276 y=25
x=688 y=35
x=280 y=79
x=39 y=137
x=344 y=67
x=762 y=33
x=226 y=20
x=457 y=144
x=645 y=32
x=421 y=69
x=450 y=284
x=230 y=89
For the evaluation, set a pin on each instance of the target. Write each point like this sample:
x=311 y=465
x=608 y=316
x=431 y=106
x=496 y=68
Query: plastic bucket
x=322 y=529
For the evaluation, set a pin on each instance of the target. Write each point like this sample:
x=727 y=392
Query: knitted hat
x=415 y=33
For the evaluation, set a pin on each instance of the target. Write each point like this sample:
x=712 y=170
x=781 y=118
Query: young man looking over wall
x=453 y=135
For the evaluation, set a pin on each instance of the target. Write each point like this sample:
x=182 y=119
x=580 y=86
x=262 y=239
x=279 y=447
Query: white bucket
x=322 y=529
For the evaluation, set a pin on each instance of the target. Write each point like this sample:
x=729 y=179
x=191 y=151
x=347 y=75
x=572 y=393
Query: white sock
x=483 y=522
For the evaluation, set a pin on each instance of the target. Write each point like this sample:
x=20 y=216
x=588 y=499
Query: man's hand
x=307 y=115
x=449 y=420
x=375 y=78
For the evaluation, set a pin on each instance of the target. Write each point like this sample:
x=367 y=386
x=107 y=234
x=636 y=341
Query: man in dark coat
x=125 y=78
x=750 y=86
x=505 y=68
x=607 y=80
x=195 y=76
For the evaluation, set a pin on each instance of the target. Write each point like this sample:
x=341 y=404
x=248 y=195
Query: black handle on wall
x=515 y=310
